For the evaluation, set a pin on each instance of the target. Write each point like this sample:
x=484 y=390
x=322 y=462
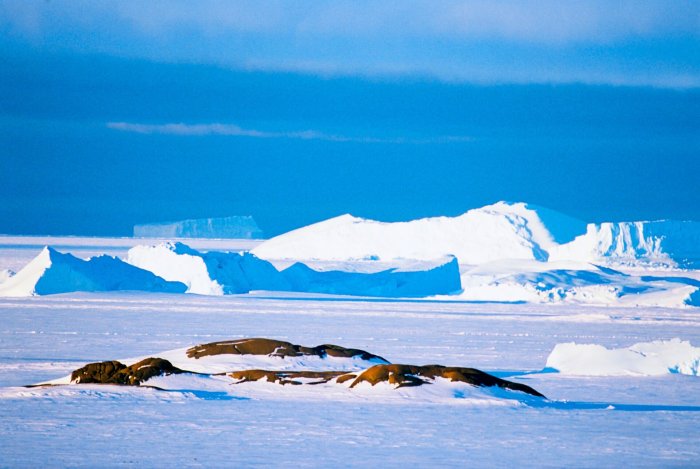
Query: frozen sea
x=639 y=421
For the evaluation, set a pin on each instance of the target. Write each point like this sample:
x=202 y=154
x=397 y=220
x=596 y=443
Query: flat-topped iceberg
x=241 y=227
x=441 y=278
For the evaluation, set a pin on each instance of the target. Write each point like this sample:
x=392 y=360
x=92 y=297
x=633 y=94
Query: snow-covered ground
x=626 y=390
x=589 y=421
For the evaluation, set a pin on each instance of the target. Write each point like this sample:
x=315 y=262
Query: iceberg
x=240 y=227
x=502 y=231
x=440 y=279
x=208 y=273
x=499 y=231
x=665 y=242
x=646 y=358
x=219 y=273
x=54 y=272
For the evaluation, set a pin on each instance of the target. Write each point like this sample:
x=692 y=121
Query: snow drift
x=647 y=358
x=54 y=272
x=242 y=227
x=494 y=232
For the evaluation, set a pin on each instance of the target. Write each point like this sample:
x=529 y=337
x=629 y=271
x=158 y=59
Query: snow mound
x=240 y=227
x=440 y=279
x=647 y=358
x=210 y=273
x=499 y=231
x=54 y=272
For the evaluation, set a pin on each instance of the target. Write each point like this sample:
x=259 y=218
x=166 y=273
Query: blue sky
x=113 y=113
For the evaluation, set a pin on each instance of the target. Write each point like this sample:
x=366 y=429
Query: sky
x=118 y=112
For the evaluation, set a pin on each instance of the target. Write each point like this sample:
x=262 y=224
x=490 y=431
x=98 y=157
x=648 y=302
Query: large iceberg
x=219 y=273
x=54 y=272
x=499 y=231
x=502 y=252
x=241 y=227
x=502 y=231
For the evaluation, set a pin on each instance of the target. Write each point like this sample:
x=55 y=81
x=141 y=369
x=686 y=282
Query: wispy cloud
x=237 y=131
x=628 y=42
x=591 y=21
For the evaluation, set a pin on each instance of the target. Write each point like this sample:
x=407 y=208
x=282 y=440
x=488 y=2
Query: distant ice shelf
x=234 y=227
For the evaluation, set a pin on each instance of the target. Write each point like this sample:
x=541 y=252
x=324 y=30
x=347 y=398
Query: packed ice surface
x=53 y=272
x=647 y=358
x=239 y=227
x=589 y=421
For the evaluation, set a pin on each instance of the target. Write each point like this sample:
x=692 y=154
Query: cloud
x=631 y=42
x=236 y=131
x=592 y=21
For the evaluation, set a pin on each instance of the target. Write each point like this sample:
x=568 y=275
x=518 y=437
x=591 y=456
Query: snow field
x=593 y=421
